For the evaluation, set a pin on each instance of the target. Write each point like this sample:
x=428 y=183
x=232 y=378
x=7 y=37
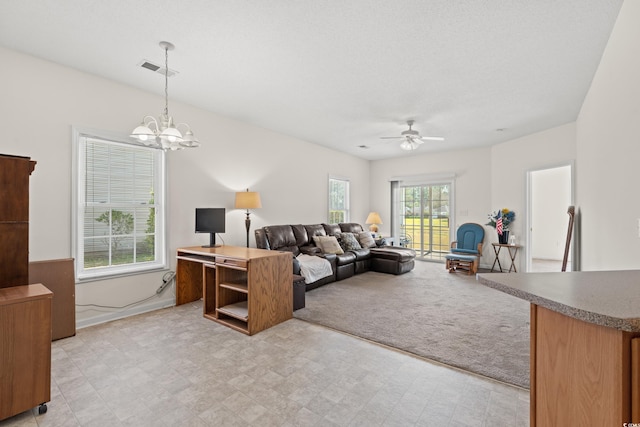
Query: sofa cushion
x=328 y=244
x=394 y=253
x=346 y=258
x=349 y=241
x=366 y=240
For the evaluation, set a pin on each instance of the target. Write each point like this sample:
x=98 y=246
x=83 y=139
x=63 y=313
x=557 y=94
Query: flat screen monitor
x=212 y=221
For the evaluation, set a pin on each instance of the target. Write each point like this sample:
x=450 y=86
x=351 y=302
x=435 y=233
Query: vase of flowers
x=501 y=220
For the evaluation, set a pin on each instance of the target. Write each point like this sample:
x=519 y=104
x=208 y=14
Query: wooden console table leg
x=496 y=249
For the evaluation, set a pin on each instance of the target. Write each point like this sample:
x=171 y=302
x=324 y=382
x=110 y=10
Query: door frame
x=529 y=203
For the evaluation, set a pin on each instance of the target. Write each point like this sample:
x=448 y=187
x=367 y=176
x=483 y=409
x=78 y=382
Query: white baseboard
x=108 y=317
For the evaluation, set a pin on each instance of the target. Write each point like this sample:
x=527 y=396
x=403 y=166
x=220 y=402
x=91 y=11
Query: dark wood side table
x=513 y=251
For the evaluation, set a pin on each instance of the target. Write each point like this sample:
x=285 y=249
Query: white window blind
x=119 y=208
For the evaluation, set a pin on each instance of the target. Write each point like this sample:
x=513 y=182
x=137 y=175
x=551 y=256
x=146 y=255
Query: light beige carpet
x=429 y=312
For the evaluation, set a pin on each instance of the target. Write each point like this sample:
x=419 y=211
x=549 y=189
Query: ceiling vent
x=156 y=68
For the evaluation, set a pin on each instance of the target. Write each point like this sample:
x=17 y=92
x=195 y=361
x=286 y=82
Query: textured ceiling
x=340 y=73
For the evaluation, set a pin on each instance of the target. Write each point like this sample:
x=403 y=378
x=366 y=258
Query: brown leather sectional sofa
x=299 y=239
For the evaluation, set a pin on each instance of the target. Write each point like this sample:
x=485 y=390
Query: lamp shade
x=373 y=218
x=248 y=200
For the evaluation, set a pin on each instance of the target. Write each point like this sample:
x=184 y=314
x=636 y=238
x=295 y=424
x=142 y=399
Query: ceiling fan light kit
x=412 y=138
x=163 y=133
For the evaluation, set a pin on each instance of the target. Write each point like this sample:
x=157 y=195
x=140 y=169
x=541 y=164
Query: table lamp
x=373 y=219
x=248 y=200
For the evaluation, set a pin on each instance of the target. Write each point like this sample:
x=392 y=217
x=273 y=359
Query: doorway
x=424 y=219
x=550 y=193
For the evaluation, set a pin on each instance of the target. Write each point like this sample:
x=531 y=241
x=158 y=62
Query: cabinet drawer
x=238 y=263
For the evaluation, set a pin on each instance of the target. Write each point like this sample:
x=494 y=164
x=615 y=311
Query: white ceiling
x=339 y=73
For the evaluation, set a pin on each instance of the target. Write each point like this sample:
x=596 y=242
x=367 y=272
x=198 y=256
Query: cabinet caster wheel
x=42 y=409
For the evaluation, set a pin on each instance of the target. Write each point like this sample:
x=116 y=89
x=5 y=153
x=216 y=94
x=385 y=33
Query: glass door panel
x=424 y=220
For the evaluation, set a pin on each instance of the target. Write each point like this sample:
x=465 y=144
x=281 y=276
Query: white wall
x=41 y=101
x=510 y=163
x=487 y=179
x=608 y=155
x=472 y=169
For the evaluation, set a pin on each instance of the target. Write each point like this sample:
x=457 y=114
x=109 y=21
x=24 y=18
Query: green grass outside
x=101 y=259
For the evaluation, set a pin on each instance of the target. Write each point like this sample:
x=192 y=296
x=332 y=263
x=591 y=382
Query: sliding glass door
x=422 y=213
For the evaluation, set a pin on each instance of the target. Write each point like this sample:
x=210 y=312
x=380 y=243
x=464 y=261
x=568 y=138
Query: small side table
x=388 y=241
x=513 y=251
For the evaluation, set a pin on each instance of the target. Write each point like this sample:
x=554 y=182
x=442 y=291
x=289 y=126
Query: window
x=338 y=200
x=118 y=207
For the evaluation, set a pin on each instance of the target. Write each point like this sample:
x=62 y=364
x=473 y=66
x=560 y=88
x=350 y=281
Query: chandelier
x=163 y=133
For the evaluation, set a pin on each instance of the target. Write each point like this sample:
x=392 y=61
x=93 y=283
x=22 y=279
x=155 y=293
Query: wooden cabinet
x=14 y=219
x=57 y=275
x=585 y=345
x=25 y=349
x=246 y=289
x=581 y=373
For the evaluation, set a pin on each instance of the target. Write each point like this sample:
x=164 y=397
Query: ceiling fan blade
x=391 y=137
x=432 y=138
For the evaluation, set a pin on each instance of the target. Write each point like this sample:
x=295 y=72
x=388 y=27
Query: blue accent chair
x=466 y=250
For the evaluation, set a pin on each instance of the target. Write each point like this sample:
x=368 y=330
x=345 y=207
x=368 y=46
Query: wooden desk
x=513 y=251
x=246 y=289
x=585 y=345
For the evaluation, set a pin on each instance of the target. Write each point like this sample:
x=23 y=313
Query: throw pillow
x=366 y=240
x=328 y=244
x=350 y=242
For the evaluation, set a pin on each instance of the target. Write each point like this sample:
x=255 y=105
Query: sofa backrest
x=281 y=238
x=331 y=229
x=314 y=230
x=293 y=238
x=302 y=238
x=350 y=227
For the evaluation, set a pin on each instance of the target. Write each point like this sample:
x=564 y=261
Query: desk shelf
x=238 y=287
x=239 y=310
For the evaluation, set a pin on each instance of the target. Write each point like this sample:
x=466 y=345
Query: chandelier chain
x=166 y=81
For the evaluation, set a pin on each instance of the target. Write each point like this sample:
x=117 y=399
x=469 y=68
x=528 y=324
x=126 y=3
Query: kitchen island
x=585 y=345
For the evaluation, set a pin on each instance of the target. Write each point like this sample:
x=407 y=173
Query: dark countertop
x=606 y=298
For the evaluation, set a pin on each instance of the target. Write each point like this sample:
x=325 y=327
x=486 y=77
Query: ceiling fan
x=412 y=138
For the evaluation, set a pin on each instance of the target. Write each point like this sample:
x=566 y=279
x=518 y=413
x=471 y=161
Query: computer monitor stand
x=212 y=241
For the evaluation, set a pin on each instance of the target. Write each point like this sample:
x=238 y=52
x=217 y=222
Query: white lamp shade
x=142 y=133
x=189 y=140
x=171 y=134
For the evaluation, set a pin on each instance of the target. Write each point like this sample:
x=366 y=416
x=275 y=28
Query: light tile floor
x=172 y=367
